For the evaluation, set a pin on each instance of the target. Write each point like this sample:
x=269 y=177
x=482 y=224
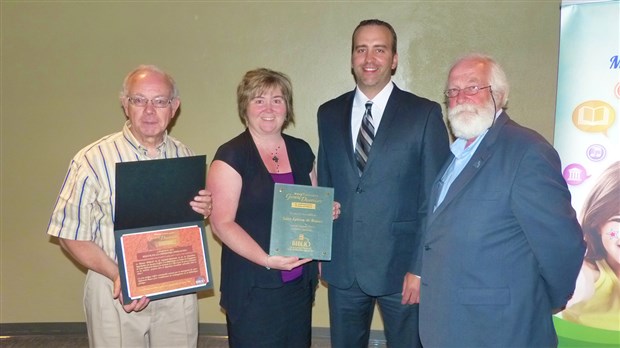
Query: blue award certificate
x=301 y=222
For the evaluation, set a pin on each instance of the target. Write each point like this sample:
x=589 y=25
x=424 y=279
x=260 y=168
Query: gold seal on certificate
x=301 y=222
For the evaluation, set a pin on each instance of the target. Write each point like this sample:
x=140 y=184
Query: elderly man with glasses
x=502 y=245
x=83 y=220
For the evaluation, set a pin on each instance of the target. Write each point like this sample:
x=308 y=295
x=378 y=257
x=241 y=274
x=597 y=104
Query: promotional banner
x=587 y=136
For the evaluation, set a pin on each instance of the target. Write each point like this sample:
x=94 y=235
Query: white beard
x=468 y=121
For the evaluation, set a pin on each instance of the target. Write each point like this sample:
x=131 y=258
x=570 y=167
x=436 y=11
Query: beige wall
x=63 y=63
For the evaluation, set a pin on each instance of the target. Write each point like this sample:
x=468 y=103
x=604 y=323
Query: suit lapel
x=473 y=167
x=346 y=141
x=436 y=190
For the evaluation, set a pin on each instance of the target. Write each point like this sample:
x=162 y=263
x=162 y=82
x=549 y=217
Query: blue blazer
x=503 y=249
x=376 y=237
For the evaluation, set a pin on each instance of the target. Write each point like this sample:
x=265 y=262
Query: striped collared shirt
x=84 y=209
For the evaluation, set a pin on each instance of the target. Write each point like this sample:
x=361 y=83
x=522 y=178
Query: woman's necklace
x=276 y=159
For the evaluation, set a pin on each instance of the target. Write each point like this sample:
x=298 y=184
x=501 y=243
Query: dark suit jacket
x=376 y=237
x=503 y=249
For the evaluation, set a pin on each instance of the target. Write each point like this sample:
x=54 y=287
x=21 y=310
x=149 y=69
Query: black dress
x=239 y=275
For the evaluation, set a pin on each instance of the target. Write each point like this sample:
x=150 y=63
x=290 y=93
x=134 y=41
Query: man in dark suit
x=502 y=245
x=381 y=178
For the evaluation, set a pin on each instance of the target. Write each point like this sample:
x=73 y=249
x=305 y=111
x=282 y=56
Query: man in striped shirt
x=83 y=219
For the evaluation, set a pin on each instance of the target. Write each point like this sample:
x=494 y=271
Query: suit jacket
x=376 y=237
x=503 y=249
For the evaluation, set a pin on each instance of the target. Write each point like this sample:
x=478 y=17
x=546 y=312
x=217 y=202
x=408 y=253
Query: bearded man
x=502 y=245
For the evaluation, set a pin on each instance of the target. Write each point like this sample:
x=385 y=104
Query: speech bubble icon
x=575 y=174
x=594 y=116
x=596 y=152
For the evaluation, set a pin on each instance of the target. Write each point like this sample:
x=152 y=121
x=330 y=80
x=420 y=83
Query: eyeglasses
x=471 y=90
x=159 y=102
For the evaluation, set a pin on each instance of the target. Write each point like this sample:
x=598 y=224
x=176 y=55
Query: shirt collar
x=380 y=100
x=458 y=146
x=136 y=144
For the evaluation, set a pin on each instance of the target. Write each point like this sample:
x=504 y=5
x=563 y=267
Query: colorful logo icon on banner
x=575 y=174
x=596 y=152
x=594 y=116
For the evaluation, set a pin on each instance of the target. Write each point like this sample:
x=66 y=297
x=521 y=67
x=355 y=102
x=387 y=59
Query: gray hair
x=149 y=68
x=497 y=77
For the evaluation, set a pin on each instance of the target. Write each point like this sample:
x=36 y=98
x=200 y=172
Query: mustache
x=470 y=120
x=468 y=108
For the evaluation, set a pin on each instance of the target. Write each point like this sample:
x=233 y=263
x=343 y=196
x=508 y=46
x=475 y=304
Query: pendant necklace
x=276 y=159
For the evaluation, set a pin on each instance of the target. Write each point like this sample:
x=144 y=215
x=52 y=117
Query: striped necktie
x=364 y=139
